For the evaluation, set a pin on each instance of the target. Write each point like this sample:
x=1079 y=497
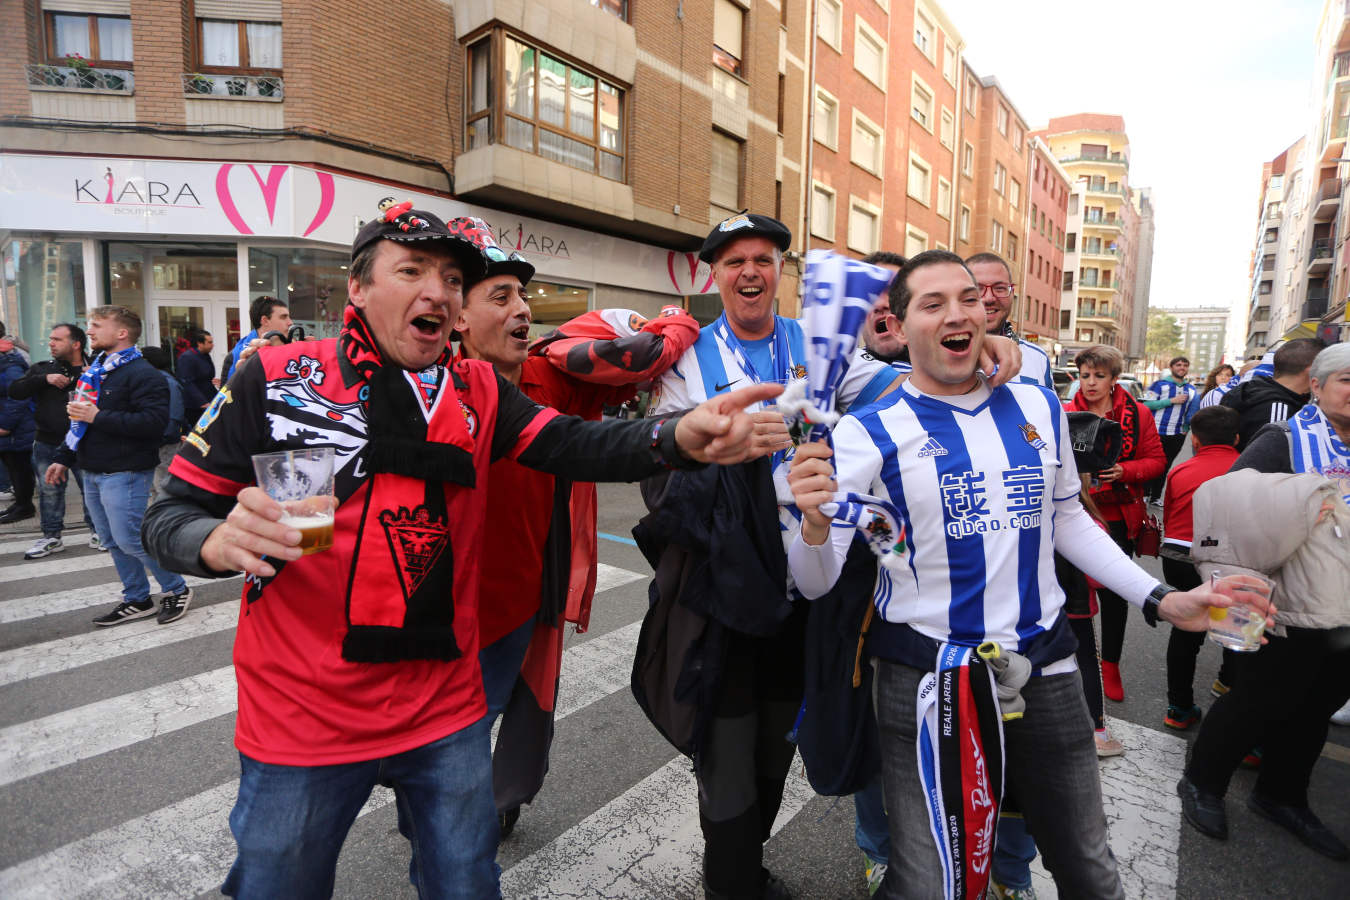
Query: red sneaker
x=1111 y=685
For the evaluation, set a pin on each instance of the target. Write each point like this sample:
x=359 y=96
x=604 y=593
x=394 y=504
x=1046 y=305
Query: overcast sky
x=1209 y=91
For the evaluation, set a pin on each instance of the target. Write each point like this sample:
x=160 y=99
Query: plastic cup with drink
x=302 y=482
x=1240 y=626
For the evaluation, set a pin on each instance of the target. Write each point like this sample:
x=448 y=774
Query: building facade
x=183 y=159
x=1047 y=215
x=1143 y=270
x=1204 y=335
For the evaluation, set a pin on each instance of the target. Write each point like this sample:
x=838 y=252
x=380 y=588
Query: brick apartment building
x=184 y=158
x=997 y=195
x=1038 y=316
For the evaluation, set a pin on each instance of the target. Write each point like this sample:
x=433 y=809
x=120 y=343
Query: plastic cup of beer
x=1240 y=626
x=302 y=482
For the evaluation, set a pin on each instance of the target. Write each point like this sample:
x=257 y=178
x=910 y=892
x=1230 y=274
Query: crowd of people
x=465 y=509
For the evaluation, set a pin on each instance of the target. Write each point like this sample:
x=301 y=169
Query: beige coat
x=1293 y=529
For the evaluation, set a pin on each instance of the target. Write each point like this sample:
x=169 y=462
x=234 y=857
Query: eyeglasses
x=1002 y=290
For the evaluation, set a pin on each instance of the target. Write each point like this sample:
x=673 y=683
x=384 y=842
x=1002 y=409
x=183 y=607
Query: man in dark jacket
x=16 y=435
x=197 y=374
x=1277 y=397
x=117 y=423
x=49 y=385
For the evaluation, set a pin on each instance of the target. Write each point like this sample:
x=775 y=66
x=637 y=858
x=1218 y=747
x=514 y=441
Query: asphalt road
x=117 y=769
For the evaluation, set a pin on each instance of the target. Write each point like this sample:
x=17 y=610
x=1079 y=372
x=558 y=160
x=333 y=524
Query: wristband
x=1153 y=601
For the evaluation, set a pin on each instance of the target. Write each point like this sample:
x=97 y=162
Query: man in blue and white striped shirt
x=1173 y=419
x=993 y=276
x=986 y=488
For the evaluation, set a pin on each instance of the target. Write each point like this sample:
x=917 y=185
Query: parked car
x=1128 y=382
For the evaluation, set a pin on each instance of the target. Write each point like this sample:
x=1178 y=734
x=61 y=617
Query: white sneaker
x=1341 y=716
x=44 y=546
x=6 y=496
x=95 y=543
x=1107 y=745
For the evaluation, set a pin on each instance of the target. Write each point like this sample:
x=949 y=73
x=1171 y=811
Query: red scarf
x=1126 y=497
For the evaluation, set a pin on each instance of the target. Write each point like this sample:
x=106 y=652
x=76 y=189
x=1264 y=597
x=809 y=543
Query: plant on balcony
x=84 y=72
x=268 y=87
x=236 y=87
x=53 y=76
x=200 y=84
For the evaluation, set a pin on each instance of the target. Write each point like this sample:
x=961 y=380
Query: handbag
x=1096 y=441
x=1149 y=540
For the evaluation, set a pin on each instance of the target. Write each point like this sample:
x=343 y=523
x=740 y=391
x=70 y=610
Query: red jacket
x=1208 y=462
x=1141 y=459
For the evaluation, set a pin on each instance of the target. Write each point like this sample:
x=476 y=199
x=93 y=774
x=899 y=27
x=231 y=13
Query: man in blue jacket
x=197 y=373
x=17 y=426
x=117 y=422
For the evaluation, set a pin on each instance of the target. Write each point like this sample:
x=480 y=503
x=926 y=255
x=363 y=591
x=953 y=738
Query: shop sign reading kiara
x=230 y=200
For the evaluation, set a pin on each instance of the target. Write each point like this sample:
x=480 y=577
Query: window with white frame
x=864 y=226
x=916 y=241
x=972 y=93
x=1001 y=119
x=963 y=225
x=728 y=36
x=949 y=64
x=865 y=149
x=944 y=198
x=920 y=185
x=1017 y=137
x=1014 y=193
x=1012 y=247
x=826 y=125
x=869 y=53
x=726 y=172
x=1000 y=178
x=830 y=23
x=925 y=35
x=921 y=103
x=947 y=134
x=822 y=211
x=968 y=160
x=996 y=237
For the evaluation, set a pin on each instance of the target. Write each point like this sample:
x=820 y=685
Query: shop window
x=43 y=286
x=537 y=103
x=225 y=46
x=103 y=41
x=553 y=304
x=313 y=283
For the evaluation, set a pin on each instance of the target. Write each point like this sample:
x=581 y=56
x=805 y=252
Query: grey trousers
x=1050 y=764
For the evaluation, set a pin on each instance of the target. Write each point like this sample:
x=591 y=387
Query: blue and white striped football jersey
x=1035 y=366
x=1174 y=418
x=974 y=478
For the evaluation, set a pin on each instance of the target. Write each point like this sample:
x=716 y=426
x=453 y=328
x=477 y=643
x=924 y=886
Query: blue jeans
x=289 y=822
x=500 y=662
x=1050 y=764
x=1014 y=849
x=52 y=497
x=870 y=829
x=116 y=501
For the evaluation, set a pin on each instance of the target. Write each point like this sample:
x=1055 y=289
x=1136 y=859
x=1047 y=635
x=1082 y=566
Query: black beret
x=744 y=225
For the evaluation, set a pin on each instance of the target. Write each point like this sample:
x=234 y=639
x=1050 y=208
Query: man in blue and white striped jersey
x=1174 y=418
x=985 y=487
x=993 y=276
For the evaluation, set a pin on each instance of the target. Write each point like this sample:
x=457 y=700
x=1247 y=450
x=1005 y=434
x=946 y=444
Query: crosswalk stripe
x=607 y=577
x=45 y=568
x=186 y=848
x=645 y=843
x=21 y=608
x=35 y=660
x=19 y=546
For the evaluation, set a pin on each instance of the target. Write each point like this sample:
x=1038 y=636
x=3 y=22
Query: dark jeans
x=1284 y=696
x=1171 y=444
x=19 y=467
x=1184 y=646
x=1090 y=669
x=1115 y=611
x=52 y=497
x=744 y=761
x=1050 y=763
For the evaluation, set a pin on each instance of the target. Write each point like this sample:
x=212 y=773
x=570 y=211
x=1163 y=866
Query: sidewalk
x=33 y=526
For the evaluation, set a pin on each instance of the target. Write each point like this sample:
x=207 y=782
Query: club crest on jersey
x=731 y=224
x=212 y=411
x=470 y=418
x=416 y=541
x=931 y=448
x=1032 y=437
x=799 y=371
x=306 y=369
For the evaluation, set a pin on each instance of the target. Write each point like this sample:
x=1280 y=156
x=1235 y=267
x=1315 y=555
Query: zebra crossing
x=126 y=791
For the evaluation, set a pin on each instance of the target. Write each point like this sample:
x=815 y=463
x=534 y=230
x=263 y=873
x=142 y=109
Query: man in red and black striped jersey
x=359 y=665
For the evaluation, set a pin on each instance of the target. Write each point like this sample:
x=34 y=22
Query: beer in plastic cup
x=302 y=482
x=1240 y=626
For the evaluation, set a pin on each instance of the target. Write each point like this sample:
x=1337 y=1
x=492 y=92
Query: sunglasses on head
x=497 y=254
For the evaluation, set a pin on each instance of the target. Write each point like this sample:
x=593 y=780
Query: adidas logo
x=932 y=448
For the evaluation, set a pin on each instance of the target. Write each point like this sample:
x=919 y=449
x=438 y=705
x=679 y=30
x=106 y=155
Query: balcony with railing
x=1098 y=313
x=1114 y=159
x=1107 y=222
x=1098 y=284
x=1328 y=200
x=1319 y=256
x=1314 y=307
x=235 y=87
x=1109 y=253
x=1113 y=189
x=79 y=78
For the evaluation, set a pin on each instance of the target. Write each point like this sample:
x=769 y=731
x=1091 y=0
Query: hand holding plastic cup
x=302 y=482
x=1240 y=626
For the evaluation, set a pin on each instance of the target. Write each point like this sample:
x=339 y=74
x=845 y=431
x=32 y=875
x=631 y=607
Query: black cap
x=741 y=225
x=400 y=222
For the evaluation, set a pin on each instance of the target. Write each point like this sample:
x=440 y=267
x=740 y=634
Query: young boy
x=1214 y=434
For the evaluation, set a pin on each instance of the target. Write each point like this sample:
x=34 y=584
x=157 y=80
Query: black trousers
x=1282 y=702
x=19 y=465
x=1171 y=444
x=1184 y=646
x=744 y=762
x=1115 y=610
x=1077 y=607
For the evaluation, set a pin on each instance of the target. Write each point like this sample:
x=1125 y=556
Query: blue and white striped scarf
x=1314 y=446
x=90 y=383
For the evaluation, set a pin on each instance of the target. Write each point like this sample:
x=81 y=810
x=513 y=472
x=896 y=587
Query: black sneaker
x=507 y=822
x=174 y=606
x=17 y=513
x=127 y=611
